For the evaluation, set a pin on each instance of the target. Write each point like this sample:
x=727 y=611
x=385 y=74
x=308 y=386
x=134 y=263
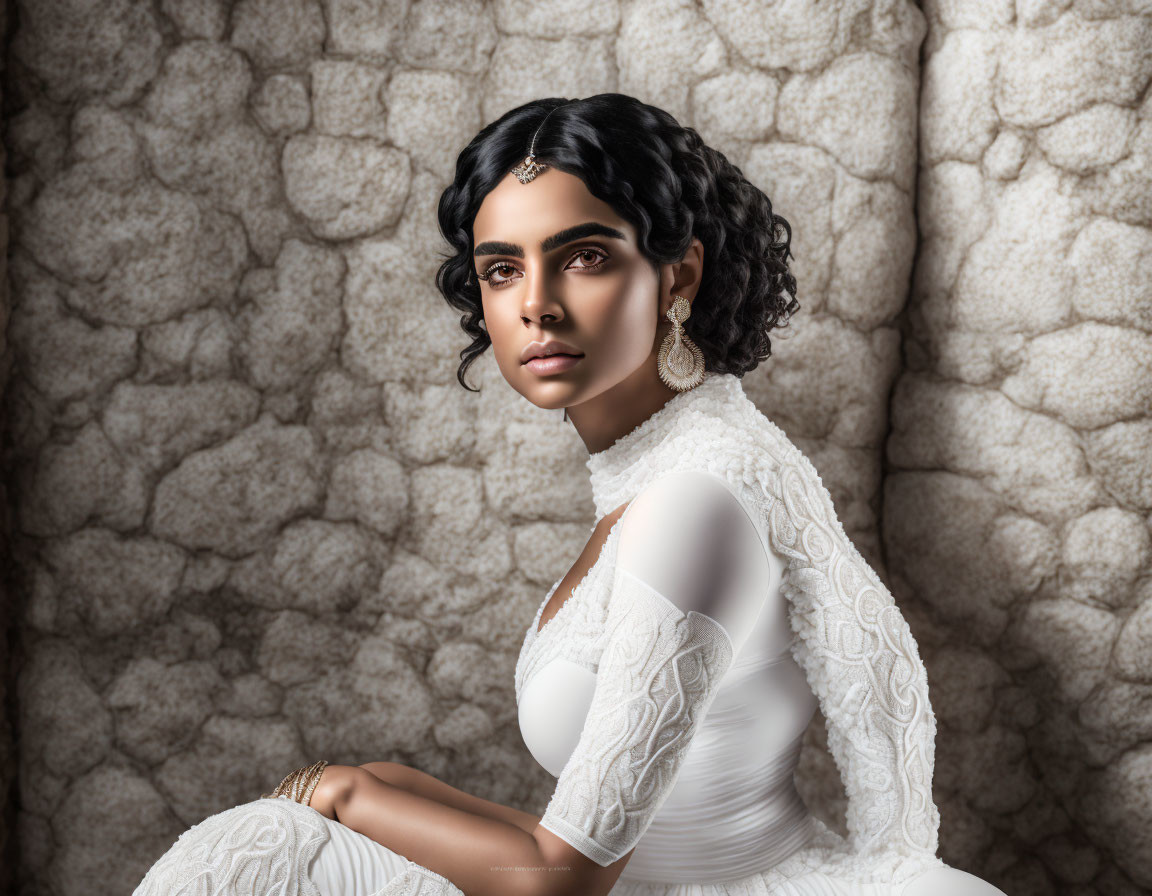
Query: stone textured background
x=255 y=520
x=8 y=843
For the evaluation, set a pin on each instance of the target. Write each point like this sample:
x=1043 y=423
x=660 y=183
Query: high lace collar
x=619 y=472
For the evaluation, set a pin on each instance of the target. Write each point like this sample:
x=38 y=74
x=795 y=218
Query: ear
x=681 y=278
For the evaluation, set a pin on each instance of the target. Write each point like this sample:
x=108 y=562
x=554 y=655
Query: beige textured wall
x=257 y=522
x=1017 y=506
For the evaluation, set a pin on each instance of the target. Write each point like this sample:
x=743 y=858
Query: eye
x=501 y=273
x=498 y=273
x=590 y=259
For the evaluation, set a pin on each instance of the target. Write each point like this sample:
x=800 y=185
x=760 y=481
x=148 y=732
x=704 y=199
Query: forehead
x=527 y=213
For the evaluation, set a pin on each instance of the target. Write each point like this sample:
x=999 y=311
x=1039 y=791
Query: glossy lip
x=553 y=364
x=551 y=347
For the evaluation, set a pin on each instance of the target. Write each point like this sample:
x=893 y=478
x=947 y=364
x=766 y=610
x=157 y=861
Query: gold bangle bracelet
x=298 y=785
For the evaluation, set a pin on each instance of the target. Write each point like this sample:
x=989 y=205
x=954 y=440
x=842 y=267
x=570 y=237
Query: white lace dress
x=670 y=692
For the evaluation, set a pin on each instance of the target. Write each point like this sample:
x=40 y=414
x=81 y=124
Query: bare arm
x=422 y=784
x=481 y=855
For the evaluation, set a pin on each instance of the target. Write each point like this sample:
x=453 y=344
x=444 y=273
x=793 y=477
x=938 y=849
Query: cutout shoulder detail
x=691 y=540
x=600 y=555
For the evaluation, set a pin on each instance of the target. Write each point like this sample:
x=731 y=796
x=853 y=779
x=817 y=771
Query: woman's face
x=556 y=263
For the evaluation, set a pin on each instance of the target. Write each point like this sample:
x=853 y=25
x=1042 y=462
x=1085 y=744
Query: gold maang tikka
x=527 y=170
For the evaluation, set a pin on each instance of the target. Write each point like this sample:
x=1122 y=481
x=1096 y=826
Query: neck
x=614 y=413
x=680 y=434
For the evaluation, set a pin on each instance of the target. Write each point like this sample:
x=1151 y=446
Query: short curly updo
x=660 y=177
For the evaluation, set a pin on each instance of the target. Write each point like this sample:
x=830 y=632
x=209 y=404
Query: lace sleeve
x=863 y=664
x=662 y=661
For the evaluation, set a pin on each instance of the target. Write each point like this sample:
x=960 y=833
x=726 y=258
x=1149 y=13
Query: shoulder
x=688 y=537
x=678 y=508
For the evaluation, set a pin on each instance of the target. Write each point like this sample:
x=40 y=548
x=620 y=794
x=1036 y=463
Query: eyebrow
x=568 y=235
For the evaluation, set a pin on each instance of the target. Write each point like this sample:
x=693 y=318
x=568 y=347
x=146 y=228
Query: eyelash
x=590 y=267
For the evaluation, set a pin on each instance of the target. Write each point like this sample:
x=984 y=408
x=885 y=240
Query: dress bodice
x=733 y=808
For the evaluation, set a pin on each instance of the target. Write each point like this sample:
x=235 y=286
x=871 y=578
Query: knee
x=333 y=790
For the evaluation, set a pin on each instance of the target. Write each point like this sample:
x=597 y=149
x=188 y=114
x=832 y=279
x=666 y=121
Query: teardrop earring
x=680 y=362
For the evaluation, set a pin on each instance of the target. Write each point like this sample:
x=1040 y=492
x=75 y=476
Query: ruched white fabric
x=352 y=863
x=723 y=815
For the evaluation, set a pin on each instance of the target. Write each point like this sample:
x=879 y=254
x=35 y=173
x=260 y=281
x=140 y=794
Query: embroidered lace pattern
x=853 y=644
x=263 y=847
x=658 y=673
x=256 y=847
x=577 y=631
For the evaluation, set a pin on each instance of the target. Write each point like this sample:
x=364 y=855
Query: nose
x=537 y=301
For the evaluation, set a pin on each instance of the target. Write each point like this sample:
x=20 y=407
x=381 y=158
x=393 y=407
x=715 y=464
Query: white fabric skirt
x=826 y=867
x=945 y=881
x=350 y=864
x=278 y=847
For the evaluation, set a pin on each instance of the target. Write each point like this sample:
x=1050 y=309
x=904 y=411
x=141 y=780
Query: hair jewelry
x=527 y=170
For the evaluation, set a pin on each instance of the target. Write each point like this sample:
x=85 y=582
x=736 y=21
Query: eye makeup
x=600 y=255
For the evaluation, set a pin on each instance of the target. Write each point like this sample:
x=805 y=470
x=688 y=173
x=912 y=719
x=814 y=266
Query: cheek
x=499 y=317
x=623 y=316
x=506 y=331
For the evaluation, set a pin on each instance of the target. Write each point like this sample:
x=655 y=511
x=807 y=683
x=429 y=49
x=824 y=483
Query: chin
x=548 y=396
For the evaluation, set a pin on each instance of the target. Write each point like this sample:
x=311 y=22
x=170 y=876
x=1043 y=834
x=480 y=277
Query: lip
x=553 y=363
x=551 y=347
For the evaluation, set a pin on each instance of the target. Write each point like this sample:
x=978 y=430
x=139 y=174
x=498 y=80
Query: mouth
x=555 y=363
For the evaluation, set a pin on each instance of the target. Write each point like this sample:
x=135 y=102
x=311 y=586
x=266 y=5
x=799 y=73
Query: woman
x=621 y=269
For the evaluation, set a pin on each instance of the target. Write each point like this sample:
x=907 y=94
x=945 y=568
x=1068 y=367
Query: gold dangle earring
x=680 y=362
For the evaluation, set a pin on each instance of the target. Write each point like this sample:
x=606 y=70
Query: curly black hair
x=659 y=176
